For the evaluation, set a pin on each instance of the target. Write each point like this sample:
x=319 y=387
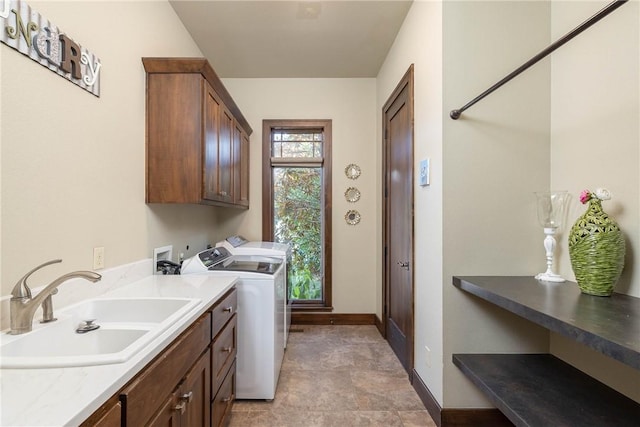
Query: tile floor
x=340 y=376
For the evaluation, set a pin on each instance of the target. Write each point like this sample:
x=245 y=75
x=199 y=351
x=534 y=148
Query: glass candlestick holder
x=551 y=207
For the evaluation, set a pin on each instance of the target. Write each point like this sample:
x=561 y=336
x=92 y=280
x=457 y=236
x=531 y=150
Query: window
x=296 y=205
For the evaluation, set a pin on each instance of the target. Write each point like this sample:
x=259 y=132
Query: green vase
x=596 y=249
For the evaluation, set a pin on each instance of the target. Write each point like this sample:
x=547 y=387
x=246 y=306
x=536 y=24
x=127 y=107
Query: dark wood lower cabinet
x=190 y=384
x=143 y=397
x=189 y=404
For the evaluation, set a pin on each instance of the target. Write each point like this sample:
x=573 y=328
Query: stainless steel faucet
x=24 y=306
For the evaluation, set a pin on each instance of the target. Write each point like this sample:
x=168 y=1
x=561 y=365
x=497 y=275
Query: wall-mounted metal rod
x=455 y=114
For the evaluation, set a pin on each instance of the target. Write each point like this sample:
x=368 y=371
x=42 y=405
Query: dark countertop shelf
x=540 y=390
x=609 y=325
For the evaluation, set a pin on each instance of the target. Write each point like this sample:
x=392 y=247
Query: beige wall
x=595 y=142
x=73 y=164
x=495 y=157
x=350 y=104
x=595 y=126
x=420 y=43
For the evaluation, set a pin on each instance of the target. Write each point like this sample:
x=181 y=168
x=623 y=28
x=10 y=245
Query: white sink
x=126 y=326
x=132 y=310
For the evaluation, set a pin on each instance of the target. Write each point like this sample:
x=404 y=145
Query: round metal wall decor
x=352 y=217
x=352 y=194
x=352 y=171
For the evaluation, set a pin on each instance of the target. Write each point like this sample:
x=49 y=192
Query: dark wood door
x=398 y=218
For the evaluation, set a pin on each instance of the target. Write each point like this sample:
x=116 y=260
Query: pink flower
x=585 y=196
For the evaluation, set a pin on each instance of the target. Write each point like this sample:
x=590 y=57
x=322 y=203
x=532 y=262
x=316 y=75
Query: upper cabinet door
x=173 y=149
x=225 y=156
x=240 y=166
x=212 y=108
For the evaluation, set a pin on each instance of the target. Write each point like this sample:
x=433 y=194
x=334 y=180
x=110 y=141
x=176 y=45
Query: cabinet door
x=109 y=415
x=225 y=156
x=240 y=166
x=174 y=138
x=195 y=393
x=217 y=149
x=168 y=415
x=212 y=106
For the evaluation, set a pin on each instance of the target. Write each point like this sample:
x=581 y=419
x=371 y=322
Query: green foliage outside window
x=297 y=221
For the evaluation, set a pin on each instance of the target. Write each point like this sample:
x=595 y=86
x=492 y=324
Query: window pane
x=296 y=144
x=297 y=220
x=277 y=149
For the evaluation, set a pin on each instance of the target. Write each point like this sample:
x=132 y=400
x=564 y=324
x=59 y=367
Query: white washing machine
x=261 y=290
x=238 y=245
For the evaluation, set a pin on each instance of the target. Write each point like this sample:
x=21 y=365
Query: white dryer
x=238 y=245
x=261 y=296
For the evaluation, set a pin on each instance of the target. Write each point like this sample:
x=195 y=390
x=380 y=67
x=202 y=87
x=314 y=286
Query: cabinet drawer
x=144 y=396
x=223 y=311
x=224 y=352
x=222 y=403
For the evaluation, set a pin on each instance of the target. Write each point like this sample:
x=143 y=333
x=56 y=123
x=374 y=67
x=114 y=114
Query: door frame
x=406 y=81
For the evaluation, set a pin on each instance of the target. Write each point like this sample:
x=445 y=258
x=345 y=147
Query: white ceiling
x=290 y=39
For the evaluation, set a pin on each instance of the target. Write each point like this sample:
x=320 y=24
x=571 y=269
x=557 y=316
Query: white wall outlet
x=428 y=356
x=163 y=253
x=98 y=257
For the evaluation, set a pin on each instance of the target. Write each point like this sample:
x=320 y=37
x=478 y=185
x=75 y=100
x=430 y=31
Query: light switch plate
x=424 y=172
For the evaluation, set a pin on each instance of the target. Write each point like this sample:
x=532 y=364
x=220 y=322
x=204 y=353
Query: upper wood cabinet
x=197 y=148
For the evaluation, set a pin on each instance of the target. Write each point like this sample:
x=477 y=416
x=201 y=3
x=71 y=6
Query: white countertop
x=68 y=396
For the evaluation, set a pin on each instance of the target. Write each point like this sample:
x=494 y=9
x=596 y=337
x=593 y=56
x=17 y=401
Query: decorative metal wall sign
x=28 y=32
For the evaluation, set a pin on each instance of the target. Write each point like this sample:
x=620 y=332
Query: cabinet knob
x=228 y=309
x=223 y=193
x=227 y=349
x=226 y=400
x=187 y=397
x=184 y=399
x=181 y=407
